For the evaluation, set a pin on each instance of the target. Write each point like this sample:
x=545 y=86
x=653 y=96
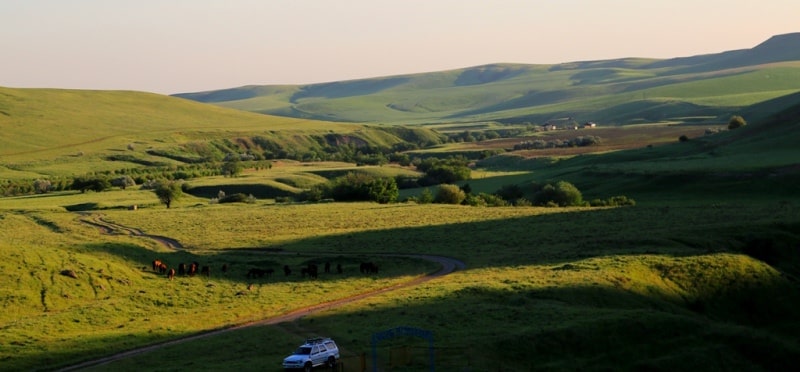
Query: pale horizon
x=181 y=46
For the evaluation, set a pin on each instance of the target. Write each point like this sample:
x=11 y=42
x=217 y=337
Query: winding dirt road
x=448 y=265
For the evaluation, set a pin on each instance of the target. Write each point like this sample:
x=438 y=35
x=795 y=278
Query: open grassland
x=609 y=92
x=51 y=133
x=596 y=288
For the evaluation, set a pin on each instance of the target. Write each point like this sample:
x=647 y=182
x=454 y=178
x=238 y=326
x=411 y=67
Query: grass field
x=564 y=277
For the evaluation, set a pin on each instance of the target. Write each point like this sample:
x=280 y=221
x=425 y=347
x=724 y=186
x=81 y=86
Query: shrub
x=123 y=182
x=561 y=194
x=42 y=186
x=474 y=201
x=383 y=190
x=449 y=194
x=484 y=200
x=426 y=196
x=510 y=192
x=493 y=200
x=736 y=122
x=90 y=184
x=522 y=202
x=614 y=201
x=237 y=198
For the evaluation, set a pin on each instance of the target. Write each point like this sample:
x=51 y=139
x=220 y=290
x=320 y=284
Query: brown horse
x=205 y=270
x=171 y=274
x=369 y=268
x=156 y=264
x=162 y=268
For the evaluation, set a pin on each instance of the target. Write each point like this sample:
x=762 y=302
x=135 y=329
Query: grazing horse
x=225 y=268
x=327 y=267
x=339 y=268
x=182 y=268
x=369 y=268
x=205 y=271
x=171 y=274
x=259 y=273
x=156 y=264
x=193 y=268
x=286 y=270
x=311 y=269
x=162 y=268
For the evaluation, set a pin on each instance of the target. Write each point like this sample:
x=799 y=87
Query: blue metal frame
x=397 y=332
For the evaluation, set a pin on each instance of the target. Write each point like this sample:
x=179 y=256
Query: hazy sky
x=172 y=46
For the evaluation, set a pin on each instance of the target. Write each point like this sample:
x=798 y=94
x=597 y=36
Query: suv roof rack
x=315 y=340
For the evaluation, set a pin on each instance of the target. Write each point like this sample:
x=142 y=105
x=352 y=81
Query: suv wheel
x=331 y=361
x=308 y=367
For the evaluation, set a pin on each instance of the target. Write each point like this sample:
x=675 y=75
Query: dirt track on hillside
x=448 y=265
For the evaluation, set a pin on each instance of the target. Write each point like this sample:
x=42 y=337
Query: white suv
x=314 y=352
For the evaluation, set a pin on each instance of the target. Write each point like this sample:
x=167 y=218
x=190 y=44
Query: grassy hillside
x=605 y=288
x=609 y=92
x=757 y=161
x=49 y=133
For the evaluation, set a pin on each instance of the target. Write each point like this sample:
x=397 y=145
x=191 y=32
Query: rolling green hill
x=61 y=133
x=617 y=91
x=759 y=160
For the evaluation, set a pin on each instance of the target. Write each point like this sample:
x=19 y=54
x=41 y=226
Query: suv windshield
x=302 y=351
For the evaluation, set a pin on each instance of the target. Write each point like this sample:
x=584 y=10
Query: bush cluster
x=355 y=187
x=539 y=144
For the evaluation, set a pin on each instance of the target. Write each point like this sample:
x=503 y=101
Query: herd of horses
x=311 y=269
x=184 y=269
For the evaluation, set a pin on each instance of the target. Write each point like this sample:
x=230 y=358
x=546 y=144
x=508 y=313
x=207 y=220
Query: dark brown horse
x=311 y=269
x=171 y=274
x=369 y=268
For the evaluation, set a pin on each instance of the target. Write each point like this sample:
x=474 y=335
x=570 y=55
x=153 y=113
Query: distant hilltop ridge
x=778 y=48
x=785 y=47
x=621 y=91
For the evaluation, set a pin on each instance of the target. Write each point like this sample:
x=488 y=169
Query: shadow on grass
x=476 y=328
x=565 y=327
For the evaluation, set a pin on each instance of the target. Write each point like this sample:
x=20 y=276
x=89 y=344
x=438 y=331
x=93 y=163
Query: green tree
x=232 y=167
x=562 y=194
x=383 y=190
x=426 y=196
x=123 y=182
x=42 y=186
x=450 y=194
x=168 y=191
x=96 y=184
x=736 y=122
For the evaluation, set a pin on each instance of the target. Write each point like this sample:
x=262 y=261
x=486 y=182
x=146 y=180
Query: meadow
x=651 y=286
